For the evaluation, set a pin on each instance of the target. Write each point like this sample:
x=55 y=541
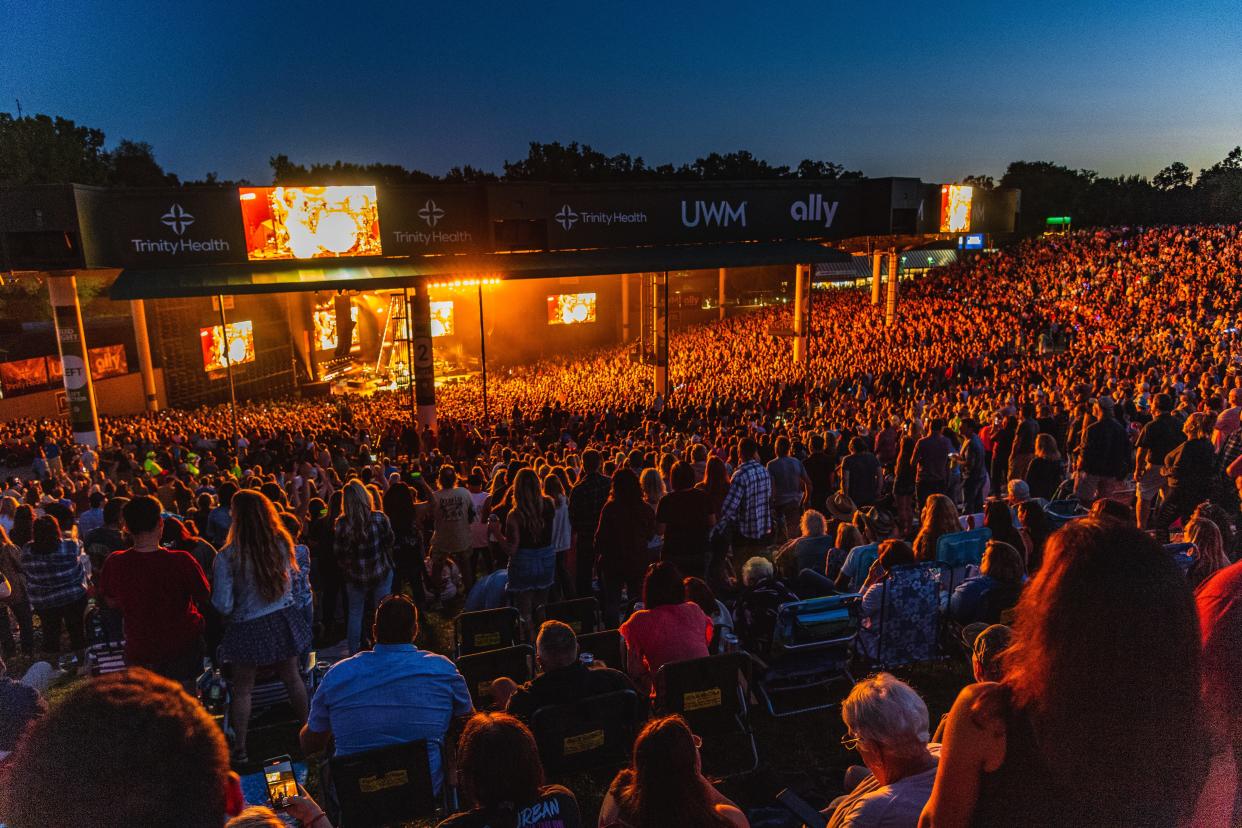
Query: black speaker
x=344 y=325
x=315 y=390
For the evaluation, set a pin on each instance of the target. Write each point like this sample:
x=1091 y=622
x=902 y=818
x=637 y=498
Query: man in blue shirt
x=394 y=693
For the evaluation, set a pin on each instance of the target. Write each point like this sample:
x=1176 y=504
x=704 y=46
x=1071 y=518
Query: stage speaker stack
x=344 y=325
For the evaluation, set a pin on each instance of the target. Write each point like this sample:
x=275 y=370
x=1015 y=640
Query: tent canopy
x=341 y=274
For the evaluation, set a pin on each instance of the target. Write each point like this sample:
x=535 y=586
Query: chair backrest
x=707 y=692
x=1183 y=555
x=478 y=632
x=864 y=556
x=591 y=733
x=815 y=623
x=963 y=548
x=909 y=627
x=581 y=614
x=959 y=551
x=607 y=646
x=387 y=785
x=481 y=669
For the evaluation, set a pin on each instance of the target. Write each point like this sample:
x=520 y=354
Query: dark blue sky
x=932 y=90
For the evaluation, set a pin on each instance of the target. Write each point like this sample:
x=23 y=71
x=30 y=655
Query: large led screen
x=324 y=317
x=441 y=318
x=310 y=222
x=955 y=208
x=571 y=308
x=240 y=345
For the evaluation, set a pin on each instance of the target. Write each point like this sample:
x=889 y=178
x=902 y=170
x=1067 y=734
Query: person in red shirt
x=1219 y=601
x=161 y=594
x=668 y=628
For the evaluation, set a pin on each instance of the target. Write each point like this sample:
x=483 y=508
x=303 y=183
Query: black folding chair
x=581 y=614
x=594 y=732
x=710 y=694
x=387 y=785
x=478 y=632
x=481 y=669
x=607 y=646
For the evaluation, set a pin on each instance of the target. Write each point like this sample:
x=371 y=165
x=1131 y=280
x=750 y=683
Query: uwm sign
x=621 y=216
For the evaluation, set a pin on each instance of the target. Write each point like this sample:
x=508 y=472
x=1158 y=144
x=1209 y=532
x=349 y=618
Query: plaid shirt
x=57 y=578
x=1230 y=451
x=586 y=501
x=371 y=560
x=749 y=501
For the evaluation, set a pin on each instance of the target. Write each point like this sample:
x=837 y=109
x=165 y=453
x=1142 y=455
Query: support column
x=71 y=343
x=142 y=337
x=721 y=297
x=877 y=277
x=424 y=362
x=801 y=311
x=625 y=307
x=659 y=305
x=890 y=307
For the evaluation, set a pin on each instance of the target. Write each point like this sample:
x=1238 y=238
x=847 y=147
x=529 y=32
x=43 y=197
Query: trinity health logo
x=177 y=219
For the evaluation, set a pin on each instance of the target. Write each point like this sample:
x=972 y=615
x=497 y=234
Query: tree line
x=44 y=149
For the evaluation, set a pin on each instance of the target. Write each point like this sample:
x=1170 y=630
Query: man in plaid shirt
x=747 y=508
x=586 y=501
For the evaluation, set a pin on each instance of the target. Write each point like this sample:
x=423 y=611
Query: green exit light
x=1058 y=220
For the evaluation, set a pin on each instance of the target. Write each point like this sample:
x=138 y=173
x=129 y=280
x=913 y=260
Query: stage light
x=249 y=196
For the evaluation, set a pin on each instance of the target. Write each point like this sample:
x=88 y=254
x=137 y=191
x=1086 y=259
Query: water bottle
x=729 y=642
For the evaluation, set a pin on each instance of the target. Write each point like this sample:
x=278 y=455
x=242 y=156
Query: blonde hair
x=1206 y=537
x=1198 y=424
x=652 y=484
x=528 y=502
x=260 y=543
x=357 y=504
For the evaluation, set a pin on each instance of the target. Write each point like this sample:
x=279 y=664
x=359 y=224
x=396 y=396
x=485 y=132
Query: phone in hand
x=281 y=782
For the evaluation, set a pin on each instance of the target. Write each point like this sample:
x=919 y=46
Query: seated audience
x=664 y=784
x=1108 y=611
x=667 y=628
x=887 y=723
x=563 y=678
x=1209 y=552
x=391 y=694
x=893 y=553
x=808 y=551
x=20 y=704
x=502 y=778
x=983 y=598
x=698 y=592
x=754 y=614
x=1035 y=530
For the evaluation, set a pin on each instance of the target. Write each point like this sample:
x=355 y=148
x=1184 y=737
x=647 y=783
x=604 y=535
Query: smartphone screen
x=281 y=783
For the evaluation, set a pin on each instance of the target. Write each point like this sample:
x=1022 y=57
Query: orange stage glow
x=310 y=222
x=955 y=208
x=441 y=318
x=240 y=345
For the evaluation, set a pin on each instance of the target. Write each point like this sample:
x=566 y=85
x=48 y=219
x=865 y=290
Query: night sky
x=932 y=90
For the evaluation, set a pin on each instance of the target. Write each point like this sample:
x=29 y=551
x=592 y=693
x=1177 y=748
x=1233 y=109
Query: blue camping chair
x=1061 y=512
x=865 y=556
x=908 y=627
x=810 y=649
x=960 y=550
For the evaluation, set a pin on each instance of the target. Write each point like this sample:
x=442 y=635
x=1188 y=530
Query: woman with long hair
x=626 y=524
x=23 y=525
x=1035 y=531
x=253 y=588
x=998 y=518
x=1046 y=471
x=56 y=571
x=362 y=543
x=664 y=786
x=1209 y=554
x=939 y=518
x=715 y=482
x=526 y=536
x=502 y=777
x=409 y=553
x=8 y=509
x=1103 y=669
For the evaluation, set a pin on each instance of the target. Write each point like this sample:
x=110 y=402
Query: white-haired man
x=887 y=723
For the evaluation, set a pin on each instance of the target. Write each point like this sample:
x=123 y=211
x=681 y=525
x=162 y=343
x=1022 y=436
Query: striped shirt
x=748 y=504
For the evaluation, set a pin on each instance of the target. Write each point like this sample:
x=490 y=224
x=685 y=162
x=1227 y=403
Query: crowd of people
x=1077 y=396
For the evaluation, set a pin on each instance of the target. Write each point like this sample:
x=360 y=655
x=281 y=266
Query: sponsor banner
x=694 y=214
x=413 y=222
x=424 y=363
x=23 y=375
x=177 y=227
x=76 y=374
x=107 y=361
